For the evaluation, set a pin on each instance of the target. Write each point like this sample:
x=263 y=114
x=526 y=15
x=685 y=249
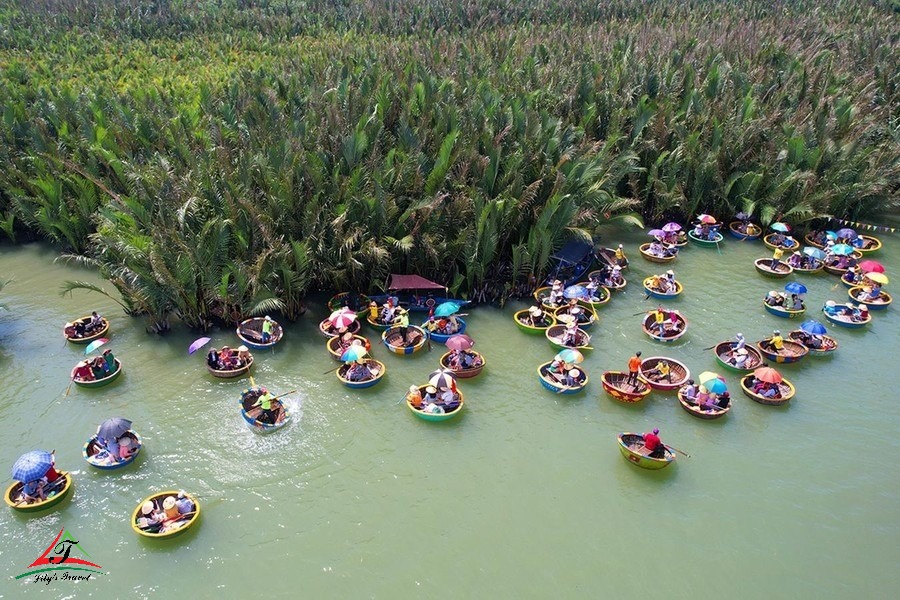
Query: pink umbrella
x=705 y=218
x=197 y=344
x=871 y=266
x=341 y=319
x=459 y=342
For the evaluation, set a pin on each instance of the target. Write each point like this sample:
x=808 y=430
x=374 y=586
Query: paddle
x=677 y=450
x=66 y=395
x=332 y=370
x=639 y=314
x=710 y=348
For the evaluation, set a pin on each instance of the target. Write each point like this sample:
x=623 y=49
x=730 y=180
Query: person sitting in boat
x=557 y=368
x=796 y=303
x=151 y=518
x=98 y=367
x=468 y=360
x=451 y=326
x=670 y=238
x=724 y=400
x=667 y=283
x=654 y=445
x=739 y=358
x=831 y=308
x=227 y=358
x=861 y=313
x=592 y=287
x=570 y=335
x=573 y=377
x=264 y=402
x=615 y=277
x=673 y=323
x=535 y=316
x=659 y=320
x=690 y=391
x=809 y=340
x=373 y=311
x=112 y=447
x=556 y=293
x=69 y=330
x=775 y=343
x=656 y=249
x=109 y=361
x=739 y=342
x=79 y=328
x=170 y=508
x=184 y=504
x=125 y=448
x=774 y=298
x=34 y=491
x=267 y=327
x=83 y=372
x=243 y=356
x=96 y=322
x=212 y=358
x=414 y=397
x=449 y=399
x=359 y=371
x=795 y=260
x=621 y=259
x=700 y=230
x=661 y=371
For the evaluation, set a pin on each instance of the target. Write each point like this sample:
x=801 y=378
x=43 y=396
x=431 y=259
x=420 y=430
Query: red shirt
x=634 y=363
x=651 y=441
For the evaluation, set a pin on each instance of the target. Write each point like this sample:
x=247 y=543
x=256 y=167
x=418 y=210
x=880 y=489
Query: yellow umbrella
x=877 y=278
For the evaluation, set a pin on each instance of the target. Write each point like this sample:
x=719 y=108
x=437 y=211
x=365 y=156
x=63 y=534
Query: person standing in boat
x=776 y=257
x=402 y=323
x=267 y=329
x=621 y=259
x=373 y=311
x=634 y=365
x=654 y=445
x=109 y=360
x=739 y=342
x=264 y=402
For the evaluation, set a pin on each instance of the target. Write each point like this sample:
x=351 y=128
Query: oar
x=284 y=394
x=677 y=450
x=332 y=370
x=66 y=395
x=710 y=348
x=643 y=312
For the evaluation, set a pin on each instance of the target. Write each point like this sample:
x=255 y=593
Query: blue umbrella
x=576 y=291
x=795 y=288
x=846 y=233
x=445 y=309
x=831 y=235
x=354 y=352
x=782 y=227
x=812 y=326
x=814 y=252
x=842 y=249
x=32 y=465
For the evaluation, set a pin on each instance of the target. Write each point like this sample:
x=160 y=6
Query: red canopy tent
x=411 y=282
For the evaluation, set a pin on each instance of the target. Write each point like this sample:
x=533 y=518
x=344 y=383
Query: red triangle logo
x=59 y=552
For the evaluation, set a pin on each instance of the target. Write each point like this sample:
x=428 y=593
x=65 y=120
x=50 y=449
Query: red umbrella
x=871 y=266
x=708 y=219
x=459 y=342
x=341 y=319
x=767 y=374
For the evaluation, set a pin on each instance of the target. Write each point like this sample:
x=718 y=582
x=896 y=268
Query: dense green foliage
x=220 y=158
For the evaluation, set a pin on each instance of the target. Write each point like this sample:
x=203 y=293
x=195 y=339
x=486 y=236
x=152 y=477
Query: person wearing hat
x=184 y=503
x=414 y=397
x=373 y=311
x=170 y=508
x=776 y=342
x=264 y=402
x=535 y=316
x=125 y=448
x=573 y=377
x=83 y=372
x=655 y=447
x=861 y=313
x=634 y=365
x=267 y=326
x=739 y=358
x=570 y=335
x=402 y=323
x=621 y=260
x=243 y=356
x=739 y=342
x=79 y=328
x=151 y=517
x=430 y=396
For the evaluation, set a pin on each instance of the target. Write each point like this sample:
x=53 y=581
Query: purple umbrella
x=846 y=233
x=197 y=344
x=460 y=341
x=671 y=227
x=656 y=233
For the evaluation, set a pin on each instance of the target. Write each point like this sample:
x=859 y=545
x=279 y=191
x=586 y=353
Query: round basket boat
x=662 y=295
x=465 y=373
x=818 y=267
x=524 y=322
x=440 y=338
x=99 y=333
x=376 y=371
x=584 y=318
x=784 y=313
x=250 y=332
x=786 y=389
x=97 y=456
x=95 y=383
x=843 y=320
x=870 y=244
x=880 y=303
x=678 y=373
x=615 y=384
x=810 y=241
x=230 y=373
x=542 y=295
x=556 y=333
x=850 y=281
x=595 y=276
x=632 y=447
x=378 y=325
x=694 y=409
x=346 y=299
x=645 y=252
x=779 y=270
x=791 y=352
x=251 y=414
x=788 y=243
x=393 y=341
x=170 y=527
x=710 y=243
x=328 y=330
x=724 y=355
x=669 y=333
x=334 y=345
x=752 y=231
x=602 y=296
x=444 y=416
x=829 y=344
x=56 y=492
x=550 y=381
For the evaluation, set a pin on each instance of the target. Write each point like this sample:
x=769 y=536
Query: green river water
x=524 y=496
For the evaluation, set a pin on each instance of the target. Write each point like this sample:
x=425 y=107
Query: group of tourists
x=704 y=399
x=666 y=323
x=442 y=325
x=764 y=389
x=564 y=373
x=799 y=260
x=435 y=400
x=662 y=250
x=463 y=360
x=785 y=300
x=227 y=359
x=706 y=231
x=83 y=328
x=855 y=313
x=39 y=489
x=664 y=284
x=156 y=519
x=608 y=276
x=99 y=367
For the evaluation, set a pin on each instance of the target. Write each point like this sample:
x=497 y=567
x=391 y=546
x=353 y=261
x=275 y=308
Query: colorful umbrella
x=570 y=355
x=576 y=291
x=877 y=278
x=113 y=427
x=197 y=344
x=94 y=345
x=767 y=374
x=32 y=465
x=871 y=266
x=442 y=378
x=354 y=352
x=656 y=233
x=831 y=235
x=460 y=341
x=846 y=233
x=842 y=249
x=445 y=309
x=814 y=252
x=341 y=319
x=671 y=227
x=814 y=327
x=795 y=288
x=705 y=218
x=713 y=382
x=782 y=227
